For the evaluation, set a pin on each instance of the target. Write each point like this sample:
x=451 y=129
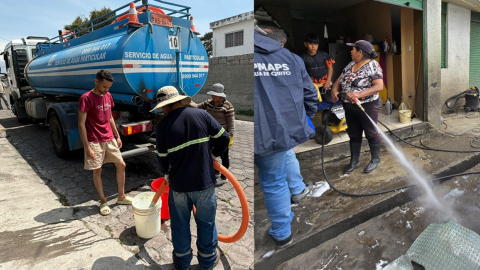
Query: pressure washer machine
x=335 y=120
x=472 y=101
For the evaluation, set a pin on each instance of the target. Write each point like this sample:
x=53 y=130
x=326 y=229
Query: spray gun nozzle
x=358 y=104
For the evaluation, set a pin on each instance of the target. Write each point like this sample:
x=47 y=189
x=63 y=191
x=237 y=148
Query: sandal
x=127 y=200
x=104 y=209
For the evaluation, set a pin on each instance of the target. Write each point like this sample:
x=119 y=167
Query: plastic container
x=388 y=107
x=165 y=213
x=147 y=219
x=405 y=116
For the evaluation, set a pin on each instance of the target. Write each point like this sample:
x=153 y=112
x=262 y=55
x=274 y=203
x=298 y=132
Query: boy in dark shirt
x=317 y=62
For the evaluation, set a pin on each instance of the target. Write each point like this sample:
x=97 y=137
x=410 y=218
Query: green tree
x=207 y=42
x=81 y=19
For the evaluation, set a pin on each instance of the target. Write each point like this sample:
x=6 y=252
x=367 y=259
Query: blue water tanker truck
x=155 y=47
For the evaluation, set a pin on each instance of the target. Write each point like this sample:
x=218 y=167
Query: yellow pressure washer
x=335 y=120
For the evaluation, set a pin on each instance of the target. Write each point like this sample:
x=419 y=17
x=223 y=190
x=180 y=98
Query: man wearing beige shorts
x=97 y=127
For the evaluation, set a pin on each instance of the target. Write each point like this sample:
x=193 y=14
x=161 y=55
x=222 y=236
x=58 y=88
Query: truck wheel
x=319 y=135
x=23 y=120
x=59 y=140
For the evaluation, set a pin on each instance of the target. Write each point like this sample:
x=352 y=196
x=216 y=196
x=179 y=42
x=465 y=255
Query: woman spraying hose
x=361 y=79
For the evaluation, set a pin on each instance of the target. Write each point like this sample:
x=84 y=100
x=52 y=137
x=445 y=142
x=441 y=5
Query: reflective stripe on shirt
x=183 y=145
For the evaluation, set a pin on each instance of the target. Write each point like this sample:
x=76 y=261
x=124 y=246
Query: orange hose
x=159 y=192
x=241 y=195
x=243 y=202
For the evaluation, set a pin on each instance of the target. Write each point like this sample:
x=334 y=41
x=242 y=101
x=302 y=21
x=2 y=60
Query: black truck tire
x=59 y=140
x=23 y=120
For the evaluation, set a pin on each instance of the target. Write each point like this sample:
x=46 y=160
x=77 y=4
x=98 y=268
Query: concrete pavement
x=32 y=239
x=73 y=201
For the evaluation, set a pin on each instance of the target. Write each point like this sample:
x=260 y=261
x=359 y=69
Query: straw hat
x=217 y=90
x=168 y=95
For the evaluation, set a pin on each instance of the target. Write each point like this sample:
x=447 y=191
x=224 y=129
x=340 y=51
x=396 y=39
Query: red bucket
x=164 y=213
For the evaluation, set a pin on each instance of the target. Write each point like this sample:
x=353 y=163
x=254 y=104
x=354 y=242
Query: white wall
x=219 y=39
x=455 y=77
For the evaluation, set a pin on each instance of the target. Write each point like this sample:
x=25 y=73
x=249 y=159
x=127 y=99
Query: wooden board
x=408 y=56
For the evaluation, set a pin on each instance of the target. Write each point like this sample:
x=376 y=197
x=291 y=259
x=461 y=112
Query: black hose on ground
x=428 y=148
x=390 y=190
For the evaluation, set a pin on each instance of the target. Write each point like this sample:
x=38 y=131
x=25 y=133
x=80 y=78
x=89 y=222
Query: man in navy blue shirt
x=187 y=138
x=284 y=97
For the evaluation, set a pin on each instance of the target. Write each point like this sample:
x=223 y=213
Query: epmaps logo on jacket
x=267 y=69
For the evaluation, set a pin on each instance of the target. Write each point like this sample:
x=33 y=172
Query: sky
x=44 y=18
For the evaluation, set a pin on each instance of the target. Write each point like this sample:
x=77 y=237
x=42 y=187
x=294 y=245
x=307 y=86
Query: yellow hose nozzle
x=358 y=104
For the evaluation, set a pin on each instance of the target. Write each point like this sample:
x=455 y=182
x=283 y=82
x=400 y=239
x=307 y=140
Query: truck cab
x=16 y=55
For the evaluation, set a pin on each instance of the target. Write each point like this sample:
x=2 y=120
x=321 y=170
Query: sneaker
x=284 y=243
x=299 y=197
x=220 y=182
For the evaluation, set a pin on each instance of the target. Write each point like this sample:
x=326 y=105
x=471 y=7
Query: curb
x=3 y=132
x=244 y=117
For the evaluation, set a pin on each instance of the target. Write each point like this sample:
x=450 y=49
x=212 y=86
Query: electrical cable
x=475 y=143
x=429 y=148
x=451 y=134
x=394 y=189
x=471 y=113
x=475 y=139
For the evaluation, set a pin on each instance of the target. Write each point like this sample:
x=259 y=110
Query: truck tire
x=23 y=120
x=59 y=140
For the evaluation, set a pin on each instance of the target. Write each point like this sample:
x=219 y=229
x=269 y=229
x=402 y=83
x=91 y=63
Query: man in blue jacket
x=284 y=98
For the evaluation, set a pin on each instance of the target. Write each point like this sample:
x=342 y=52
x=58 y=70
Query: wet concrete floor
x=386 y=237
x=321 y=219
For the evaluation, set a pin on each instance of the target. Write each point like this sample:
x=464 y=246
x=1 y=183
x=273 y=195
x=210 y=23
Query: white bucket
x=147 y=220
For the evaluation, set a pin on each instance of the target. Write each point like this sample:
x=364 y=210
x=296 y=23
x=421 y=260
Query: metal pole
x=138 y=151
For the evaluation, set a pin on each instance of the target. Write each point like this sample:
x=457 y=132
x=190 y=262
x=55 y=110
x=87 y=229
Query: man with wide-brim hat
x=186 y=140
x=168 y=95
x=222 y=110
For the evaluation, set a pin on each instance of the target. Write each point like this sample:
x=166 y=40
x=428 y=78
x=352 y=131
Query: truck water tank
x=141 y=60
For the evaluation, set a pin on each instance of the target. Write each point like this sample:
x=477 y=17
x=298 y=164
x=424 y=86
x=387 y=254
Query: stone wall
x=236 y=74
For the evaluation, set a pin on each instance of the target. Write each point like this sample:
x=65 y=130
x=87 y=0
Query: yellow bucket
x=405 y=116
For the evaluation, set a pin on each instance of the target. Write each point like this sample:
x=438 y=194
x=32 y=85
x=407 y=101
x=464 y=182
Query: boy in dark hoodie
x=318 y=63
